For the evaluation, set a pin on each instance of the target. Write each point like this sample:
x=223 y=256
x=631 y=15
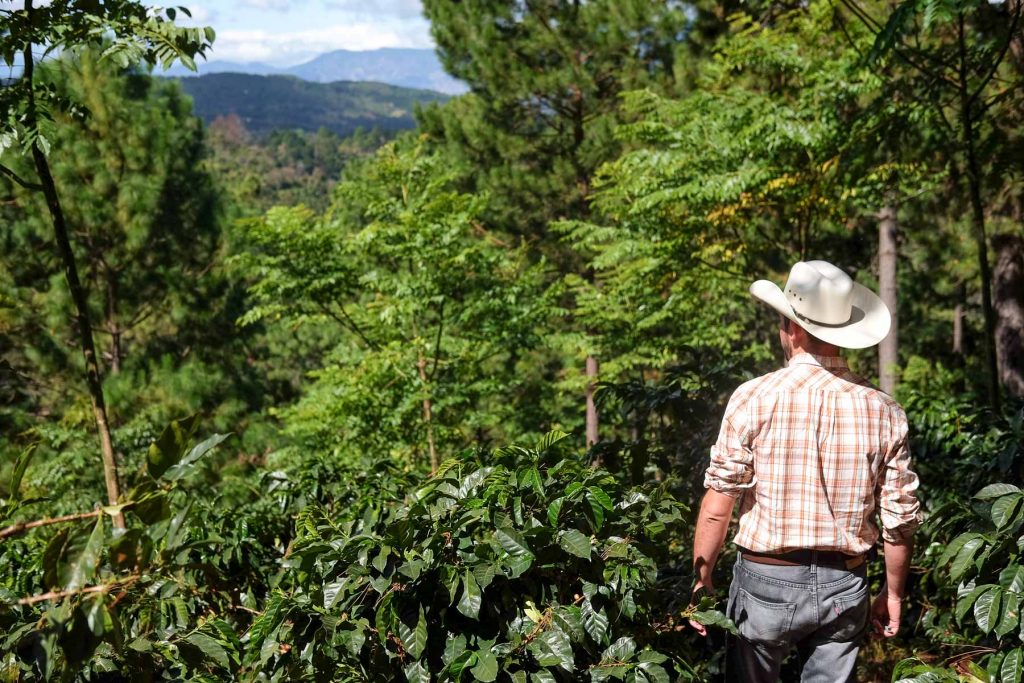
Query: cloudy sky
x=287 y=32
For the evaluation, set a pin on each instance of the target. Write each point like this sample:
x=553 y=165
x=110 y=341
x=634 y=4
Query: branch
x=22 y=527
x=437 y=343
x=19 y=180
x=999 y=60
x=60 y=595
x=346 y=321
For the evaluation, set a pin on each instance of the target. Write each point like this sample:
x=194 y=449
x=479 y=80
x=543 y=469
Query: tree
x=131 y=180
x=542 y=112
x=423 y=305
x=954 y=54
x=26 y=112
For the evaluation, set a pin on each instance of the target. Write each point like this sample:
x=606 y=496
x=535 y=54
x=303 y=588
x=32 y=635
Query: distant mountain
x=266 y=103
x=405 y=67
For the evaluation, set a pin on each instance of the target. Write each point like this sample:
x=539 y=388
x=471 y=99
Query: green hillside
x=266 y=103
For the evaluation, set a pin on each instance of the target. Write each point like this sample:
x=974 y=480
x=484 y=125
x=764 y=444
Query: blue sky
x=287 y=32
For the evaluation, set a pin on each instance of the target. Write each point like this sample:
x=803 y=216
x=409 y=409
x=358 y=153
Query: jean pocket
x=850 y=614
x=761 y=621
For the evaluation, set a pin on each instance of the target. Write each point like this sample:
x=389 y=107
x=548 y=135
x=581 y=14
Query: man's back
x=814 y=449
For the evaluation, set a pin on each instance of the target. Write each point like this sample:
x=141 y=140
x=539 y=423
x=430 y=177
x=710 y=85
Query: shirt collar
x=832 y=362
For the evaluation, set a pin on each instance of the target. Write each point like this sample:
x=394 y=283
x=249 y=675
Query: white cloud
x=286 y=48
x=277 y=5
x=386 y=8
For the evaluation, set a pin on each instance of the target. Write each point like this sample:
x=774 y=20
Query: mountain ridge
x=405 y=67
x=278 y=101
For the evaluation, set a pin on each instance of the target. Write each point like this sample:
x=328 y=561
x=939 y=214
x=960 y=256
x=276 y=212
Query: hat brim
x=868 y=325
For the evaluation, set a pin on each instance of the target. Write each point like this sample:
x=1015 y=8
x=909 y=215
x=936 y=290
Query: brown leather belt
x=797 y=558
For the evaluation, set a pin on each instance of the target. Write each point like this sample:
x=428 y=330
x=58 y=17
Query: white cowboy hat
x=826 y=302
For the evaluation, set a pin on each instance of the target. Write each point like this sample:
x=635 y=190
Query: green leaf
x=995 y=491
x=553 y=648
x=619 y=651
x=954 y=547
x=169 y=448
x=419 y=640
x=96 y=615
x=1010 y=618
x=554 y=510
x=1005 y=510
x=212 y=649
x=986 y=609
x=186 y=465
x=513 y=542
x=486 y=668
x=84 y=567
x=965 y=557
x=550 y=439
x=715 y=618
x=655 y=672
x=964 y=604
x=1012 y=578
x=602 y=498
x=469 y=603
x=595 y=622
x=575 y=543
x=417 y=673
x=19 y=472
x=1013 y=666
x=210 y=34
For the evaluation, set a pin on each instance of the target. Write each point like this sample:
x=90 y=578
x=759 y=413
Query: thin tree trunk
x=1008 y=299
x=978 y=224
x=428 y=416
x=112 y=326
x=82 y=320
x=888 y=349
x=958 y=329
x=592 y=419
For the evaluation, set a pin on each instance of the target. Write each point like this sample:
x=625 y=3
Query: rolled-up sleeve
x=898 y=507
x=731 y=470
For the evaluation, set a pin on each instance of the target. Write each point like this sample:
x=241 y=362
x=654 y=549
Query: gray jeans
x=822 y=610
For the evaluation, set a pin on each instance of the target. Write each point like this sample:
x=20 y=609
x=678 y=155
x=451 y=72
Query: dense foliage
x=390 y=347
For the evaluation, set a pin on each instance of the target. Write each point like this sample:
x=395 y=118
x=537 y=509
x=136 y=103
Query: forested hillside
x=268 y=103
x=305 y=402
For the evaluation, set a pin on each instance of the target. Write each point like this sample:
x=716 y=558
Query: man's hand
x=885 y=614
x=700 y=590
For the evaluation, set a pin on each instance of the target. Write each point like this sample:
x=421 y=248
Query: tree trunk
x=428 y=416
x=1008 y=299
x=888 y=356
x=82 y=320
x=967 y=128
x=592 y=420
x=112 y=326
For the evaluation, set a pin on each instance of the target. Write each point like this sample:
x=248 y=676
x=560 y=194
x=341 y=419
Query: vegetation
x=269 y=103
x=319 y=404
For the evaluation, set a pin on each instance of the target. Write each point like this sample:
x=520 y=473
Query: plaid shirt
x=814 y=452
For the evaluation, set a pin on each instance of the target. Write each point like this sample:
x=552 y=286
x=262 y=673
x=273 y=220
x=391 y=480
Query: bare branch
x=19 y=180
x=60 y=595
x=22 y=527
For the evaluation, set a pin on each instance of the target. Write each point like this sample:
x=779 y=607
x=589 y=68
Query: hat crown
x=820 y=292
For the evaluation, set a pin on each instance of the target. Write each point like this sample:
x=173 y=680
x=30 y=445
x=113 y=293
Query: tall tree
x=26 y=112
x=541 y=116
x=955 y=58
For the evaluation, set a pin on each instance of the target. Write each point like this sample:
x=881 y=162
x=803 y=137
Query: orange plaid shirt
x=814 y=452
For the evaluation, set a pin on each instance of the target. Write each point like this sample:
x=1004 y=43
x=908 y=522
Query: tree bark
x=592 y=420
x=888 y=356
x=112 y=326
x=1008 y=300
x=428 y=415
x=967 y=128
x=92 y=370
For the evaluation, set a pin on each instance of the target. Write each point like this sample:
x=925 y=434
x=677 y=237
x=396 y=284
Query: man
x=813 y=453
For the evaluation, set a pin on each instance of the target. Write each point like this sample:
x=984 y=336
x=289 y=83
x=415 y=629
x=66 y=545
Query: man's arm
x=712 y=526
x=888 y=604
